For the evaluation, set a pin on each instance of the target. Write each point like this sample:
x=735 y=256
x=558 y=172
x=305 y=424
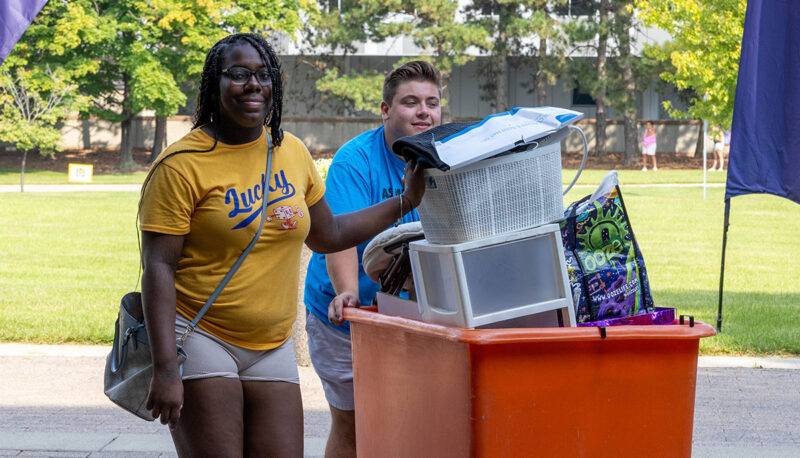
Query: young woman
x=649 y=146
x=719 y=147
x=238 y=392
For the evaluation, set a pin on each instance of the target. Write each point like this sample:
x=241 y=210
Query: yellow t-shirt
x=214 y=199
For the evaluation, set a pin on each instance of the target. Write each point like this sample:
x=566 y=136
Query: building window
x=577 y=8
x=582 y=98
x=339 y=5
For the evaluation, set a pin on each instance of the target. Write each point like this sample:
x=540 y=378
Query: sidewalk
x=70 y=187
x=52 y=405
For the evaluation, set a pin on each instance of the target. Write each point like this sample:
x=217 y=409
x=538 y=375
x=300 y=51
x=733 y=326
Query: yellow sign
x=80 y=173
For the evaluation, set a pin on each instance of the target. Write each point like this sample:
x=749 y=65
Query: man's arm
x=343 y=272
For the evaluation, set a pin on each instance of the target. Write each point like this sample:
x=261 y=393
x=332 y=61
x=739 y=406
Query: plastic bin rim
x=368 y=315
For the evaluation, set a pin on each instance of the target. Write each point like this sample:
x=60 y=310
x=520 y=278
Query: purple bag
x=604 y=264
x=661 y=315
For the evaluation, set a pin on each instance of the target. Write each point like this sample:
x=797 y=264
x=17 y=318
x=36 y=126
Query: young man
x=363 y=172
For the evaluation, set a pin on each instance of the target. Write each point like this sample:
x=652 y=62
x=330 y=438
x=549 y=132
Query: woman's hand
x=413 y=183
x=166 y=396
x=346 y=299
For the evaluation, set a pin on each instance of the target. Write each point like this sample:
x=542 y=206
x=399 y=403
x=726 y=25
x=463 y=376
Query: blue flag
x=765 y=137
x=15 y=17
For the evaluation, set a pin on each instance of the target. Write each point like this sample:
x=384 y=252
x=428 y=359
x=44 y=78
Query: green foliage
x=27 y=135
x=433 y=26
x=618 y=26
x=33 y=103
x=705 y=51
x=362 y=91
x=524 y=29
x=131 y=55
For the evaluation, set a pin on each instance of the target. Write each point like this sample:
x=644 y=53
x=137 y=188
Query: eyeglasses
x=241 y=75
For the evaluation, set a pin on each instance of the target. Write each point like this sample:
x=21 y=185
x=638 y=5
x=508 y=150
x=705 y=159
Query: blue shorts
x=210 y=356
x=332 y=357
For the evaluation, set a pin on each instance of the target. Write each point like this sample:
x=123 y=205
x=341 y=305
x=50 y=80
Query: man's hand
x=413 y=183
x=346 y=299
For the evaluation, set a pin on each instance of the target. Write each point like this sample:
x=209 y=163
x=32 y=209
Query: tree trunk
x=447 y=115
x=541 y=78
x=630 y=104
x=632 y=154
x=501 y=93
x=126 y=148
x=160 y=140
x=22 y=171
x=86 y=133
x=700 y=146
x=602 y=76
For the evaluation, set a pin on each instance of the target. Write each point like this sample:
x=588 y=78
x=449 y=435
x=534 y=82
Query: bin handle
x=691 y=320
x=583 y=161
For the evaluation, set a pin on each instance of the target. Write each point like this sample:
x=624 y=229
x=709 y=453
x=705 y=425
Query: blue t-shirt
x=363 y=172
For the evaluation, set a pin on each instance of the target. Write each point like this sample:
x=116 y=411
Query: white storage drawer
x=494 y=279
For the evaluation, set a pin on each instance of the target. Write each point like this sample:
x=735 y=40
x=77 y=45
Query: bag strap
x=244 y=254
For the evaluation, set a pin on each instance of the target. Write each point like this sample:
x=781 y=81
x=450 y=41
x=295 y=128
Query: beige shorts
x=332 y=357
x=209 y=356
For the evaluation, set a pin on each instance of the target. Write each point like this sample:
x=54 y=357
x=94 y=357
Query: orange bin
x=425 y=390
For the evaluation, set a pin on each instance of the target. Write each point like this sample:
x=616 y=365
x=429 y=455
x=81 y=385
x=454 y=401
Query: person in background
x=649 y=146
x=363 y=172
x=726 y=139
x=238 y=392
x=719 y=147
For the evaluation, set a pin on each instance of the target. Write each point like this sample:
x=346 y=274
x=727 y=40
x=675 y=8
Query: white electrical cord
x=583 y=162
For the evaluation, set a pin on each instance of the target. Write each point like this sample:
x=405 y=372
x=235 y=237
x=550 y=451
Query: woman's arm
x=160 y=255
x=330 y=233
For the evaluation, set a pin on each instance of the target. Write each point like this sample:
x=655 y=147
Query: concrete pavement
x=70 y=187
x=52 y=405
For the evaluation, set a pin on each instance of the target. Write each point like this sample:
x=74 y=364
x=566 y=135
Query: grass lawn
x=588 y=177
x=593 y=177
x=69 y=257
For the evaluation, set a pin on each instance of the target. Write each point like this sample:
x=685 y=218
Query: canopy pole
x=722 y=265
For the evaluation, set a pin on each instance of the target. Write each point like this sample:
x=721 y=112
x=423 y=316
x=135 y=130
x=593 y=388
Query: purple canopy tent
x=765 y=136
x=15 y=17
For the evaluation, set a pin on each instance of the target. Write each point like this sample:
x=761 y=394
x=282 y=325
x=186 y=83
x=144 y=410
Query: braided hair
x=208 y=96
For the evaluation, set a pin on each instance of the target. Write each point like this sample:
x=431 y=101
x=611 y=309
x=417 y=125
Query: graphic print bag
x=604 y=263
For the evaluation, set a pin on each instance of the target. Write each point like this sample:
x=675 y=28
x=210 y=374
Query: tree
x=132 y=55
x=433 y=26
x=616 y=77
x=33 y=104
x=514 y=28
x=175 y=35
x=551 y=53
x=161 y=43
x=625 y=100
x=41 y=76
x=705 y=51
x=592 y=34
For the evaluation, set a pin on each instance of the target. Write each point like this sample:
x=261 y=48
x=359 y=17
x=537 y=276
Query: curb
x=93 y=351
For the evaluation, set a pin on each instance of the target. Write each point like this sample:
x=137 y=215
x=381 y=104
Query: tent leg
x=722 y=264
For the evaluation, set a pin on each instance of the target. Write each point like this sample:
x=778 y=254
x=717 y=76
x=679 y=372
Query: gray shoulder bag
x=129 y=365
